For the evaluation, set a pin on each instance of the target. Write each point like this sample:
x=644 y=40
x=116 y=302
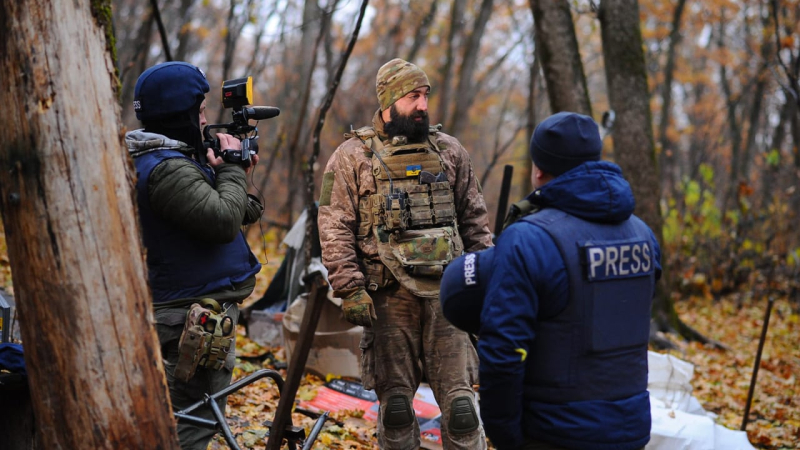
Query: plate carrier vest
x=412 y=214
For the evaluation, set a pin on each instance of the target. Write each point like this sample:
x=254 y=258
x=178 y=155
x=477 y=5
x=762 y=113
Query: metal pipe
x=226 y=431
x=199 y=421
x=255 y=376
x=758 y=363
x=312 y=436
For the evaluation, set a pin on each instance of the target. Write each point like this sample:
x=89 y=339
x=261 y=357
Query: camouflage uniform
x=411 y=337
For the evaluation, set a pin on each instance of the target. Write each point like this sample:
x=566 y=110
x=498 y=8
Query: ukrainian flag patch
x=413 y=170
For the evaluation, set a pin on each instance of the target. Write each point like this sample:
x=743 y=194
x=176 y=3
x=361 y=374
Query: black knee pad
x=463 y=418
x=398 y=413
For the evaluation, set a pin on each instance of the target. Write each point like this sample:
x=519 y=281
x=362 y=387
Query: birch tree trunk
x=66 y=199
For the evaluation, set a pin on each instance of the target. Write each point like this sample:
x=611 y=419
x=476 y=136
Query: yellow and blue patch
x=413 y=170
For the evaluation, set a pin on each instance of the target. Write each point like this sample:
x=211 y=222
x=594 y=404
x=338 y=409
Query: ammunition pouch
x=377 y=275
x=207 y=339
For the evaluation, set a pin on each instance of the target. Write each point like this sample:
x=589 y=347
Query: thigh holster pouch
x=398 y=413
x=463 y=418
x=207 y=338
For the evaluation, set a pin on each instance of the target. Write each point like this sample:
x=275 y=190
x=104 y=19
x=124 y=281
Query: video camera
x=238 y=94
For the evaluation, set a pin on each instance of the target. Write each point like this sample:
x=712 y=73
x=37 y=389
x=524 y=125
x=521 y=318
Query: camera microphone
x=260 y=112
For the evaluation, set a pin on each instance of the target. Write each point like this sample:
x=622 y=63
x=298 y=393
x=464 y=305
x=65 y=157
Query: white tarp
x=679 y=422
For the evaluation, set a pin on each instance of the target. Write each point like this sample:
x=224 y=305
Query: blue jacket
x=539 y=377
x=180 y=263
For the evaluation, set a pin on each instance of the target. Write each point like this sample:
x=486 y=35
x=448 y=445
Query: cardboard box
x=266 y=328
x=335 y=349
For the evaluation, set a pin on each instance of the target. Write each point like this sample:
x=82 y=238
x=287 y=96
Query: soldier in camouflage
x=399 y=201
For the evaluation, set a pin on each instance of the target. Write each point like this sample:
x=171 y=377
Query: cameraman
x=190 y=214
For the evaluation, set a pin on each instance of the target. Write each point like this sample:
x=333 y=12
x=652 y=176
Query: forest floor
x=721 y=379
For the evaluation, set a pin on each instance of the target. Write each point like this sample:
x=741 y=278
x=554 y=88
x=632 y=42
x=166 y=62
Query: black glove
x=253 y=211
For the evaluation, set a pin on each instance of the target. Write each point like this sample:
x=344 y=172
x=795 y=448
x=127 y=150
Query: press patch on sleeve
x=327 y=187
x=471 y=279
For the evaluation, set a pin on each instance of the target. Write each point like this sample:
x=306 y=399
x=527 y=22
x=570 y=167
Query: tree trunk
x=66 y=199
x=734 y=125
x=534 y=96
x=456 y=29
x=135 y=64
x=421 y=35
x=465 y=89
x=557 y=47
x=667 y=156
x=634 y=149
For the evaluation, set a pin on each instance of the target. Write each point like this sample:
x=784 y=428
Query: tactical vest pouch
x=377 y=275
x=443 y=203
x=395 y=215
x=207 y=338
x=424 y=252
x=419 y=202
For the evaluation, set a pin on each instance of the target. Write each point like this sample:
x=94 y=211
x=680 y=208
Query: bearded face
x=414 y=125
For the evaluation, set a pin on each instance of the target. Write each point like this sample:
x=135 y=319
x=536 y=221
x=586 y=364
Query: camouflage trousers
x=169 y=325
x=410 y=338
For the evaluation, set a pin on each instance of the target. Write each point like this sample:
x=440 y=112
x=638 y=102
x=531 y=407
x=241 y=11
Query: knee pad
x=463 y=418
x=398 y=413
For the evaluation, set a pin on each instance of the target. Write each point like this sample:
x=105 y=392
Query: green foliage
x=773 y=158
x=716 y=252
x=701 y=218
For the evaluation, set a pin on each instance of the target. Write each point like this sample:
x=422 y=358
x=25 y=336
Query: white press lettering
x=596 y=257
x=624 y=259
x=469 y=270
x=612 y=253
x=635 y=256
x=646 y=257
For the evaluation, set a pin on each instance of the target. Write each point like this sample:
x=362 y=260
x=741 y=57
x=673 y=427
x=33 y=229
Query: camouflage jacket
x=348 y=177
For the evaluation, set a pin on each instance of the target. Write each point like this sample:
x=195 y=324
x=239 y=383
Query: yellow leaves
x=306 y=392
x=251 y=437
x=722 y=379
x=326 y=439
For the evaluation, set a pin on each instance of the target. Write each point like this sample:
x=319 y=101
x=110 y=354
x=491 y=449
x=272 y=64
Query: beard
x=402 y=125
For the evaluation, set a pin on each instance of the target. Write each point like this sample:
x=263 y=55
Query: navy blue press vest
x=178 y=265
x=596 y=348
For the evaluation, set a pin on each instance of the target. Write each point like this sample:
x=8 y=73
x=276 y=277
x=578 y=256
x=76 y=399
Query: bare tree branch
x=323 y=110
x=161 y=30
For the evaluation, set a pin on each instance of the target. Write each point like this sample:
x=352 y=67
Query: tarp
x=679 y=422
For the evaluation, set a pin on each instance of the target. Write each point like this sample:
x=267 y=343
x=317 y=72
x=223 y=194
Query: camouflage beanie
x=397 y=78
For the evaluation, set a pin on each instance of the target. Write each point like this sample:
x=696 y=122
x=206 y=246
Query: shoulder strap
x=368 y=136
x=517 y=211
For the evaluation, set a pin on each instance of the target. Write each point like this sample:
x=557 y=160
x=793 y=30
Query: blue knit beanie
x=463 y=288
x=564 y=141
x=167 y=89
